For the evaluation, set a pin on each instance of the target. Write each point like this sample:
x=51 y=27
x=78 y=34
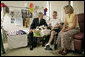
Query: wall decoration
x=12 y=13
x=12 y=20
x=26 y=13
x=31 y=10
x=31 y=5
x=45 y=10
x=36 y=7
x=3 y=5
x=18 y=21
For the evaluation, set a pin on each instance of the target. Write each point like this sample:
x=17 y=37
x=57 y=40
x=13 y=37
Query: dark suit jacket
x=36 y=23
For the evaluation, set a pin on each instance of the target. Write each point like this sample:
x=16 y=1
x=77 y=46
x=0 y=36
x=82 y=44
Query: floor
x=38 y=51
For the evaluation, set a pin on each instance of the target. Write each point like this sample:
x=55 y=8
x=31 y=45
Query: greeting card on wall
x=18 y=21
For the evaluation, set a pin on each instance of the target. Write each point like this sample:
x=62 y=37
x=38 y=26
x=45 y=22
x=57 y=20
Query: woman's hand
x=64 y=30
x=64 y=26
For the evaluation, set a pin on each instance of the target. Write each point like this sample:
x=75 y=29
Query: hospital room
x=42 y=28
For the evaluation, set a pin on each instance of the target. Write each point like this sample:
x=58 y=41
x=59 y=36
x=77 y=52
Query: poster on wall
x=26 y=13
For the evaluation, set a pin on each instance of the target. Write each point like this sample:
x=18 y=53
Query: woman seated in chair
x=70 y=27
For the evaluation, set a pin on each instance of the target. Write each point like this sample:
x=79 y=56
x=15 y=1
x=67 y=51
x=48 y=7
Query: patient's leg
x=51 y=37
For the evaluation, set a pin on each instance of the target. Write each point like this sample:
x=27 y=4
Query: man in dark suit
x=36 y=22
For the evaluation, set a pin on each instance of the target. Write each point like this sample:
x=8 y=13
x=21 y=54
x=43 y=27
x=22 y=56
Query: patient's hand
x=52 y=28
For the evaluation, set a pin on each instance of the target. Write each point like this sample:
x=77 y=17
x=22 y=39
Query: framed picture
x=26 y=13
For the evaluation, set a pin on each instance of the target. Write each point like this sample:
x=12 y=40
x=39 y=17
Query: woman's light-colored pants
x=65 y=39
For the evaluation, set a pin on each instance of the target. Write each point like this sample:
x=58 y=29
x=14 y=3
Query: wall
x=19 y=5
x=58 y=6
x=78 y=7
x=54 y=6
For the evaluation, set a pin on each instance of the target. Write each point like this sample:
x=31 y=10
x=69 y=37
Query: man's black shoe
x=48 y=48
x=31 y=47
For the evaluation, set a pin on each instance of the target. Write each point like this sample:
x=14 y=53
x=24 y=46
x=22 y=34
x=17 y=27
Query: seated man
x=36 y=22
x=54 y=25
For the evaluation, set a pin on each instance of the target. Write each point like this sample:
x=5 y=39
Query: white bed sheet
x=16 y=41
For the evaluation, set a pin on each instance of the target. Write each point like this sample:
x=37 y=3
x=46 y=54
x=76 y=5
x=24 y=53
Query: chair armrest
x=79 y=36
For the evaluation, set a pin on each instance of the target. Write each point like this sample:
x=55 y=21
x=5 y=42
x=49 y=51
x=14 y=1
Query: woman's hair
x=69 y=8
